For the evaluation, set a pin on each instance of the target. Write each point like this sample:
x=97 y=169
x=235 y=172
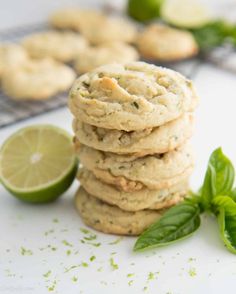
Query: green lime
x=38 y=163
x=184 y=13
x=143 y=10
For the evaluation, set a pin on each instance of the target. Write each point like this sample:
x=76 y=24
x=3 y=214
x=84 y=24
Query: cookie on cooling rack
x=112 y=52
x=37 y=79
x=71 y=18
x=11 y=55
x=163 y=43
x=108 y=29
x=62 y=46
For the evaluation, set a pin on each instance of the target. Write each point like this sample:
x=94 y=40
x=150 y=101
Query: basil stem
x=178 y=222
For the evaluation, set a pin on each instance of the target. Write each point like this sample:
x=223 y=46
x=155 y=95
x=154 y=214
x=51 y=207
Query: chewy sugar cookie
x=133 y=201
x=130 y=97
x=62 y=46
x=108 y=29
x=104 y=54
x=130 y=173
x=71 y=18
x=111 y=219
x=37 y=79
x=148 y=141
x=163 y=43
x=11 y=55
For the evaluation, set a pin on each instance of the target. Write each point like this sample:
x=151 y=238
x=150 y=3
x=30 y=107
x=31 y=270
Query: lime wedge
x=38 y=163
x=184 y=13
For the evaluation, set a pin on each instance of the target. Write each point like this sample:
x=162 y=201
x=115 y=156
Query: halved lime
x=38 y=163
x=185 y=13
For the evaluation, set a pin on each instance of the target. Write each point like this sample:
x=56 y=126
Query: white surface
x=18 y=12
x=23 y=225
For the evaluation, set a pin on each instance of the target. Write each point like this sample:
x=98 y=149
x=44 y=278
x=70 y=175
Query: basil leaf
x=232 y=194
x=224 y=202
x=177 y=223
x=219 y=178
x=214 y=34
x=226 y=213
x=228 y=230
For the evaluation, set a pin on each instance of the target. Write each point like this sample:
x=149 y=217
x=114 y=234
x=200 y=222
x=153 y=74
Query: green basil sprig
x=225 y=210
x=183 y=219
x=214 y=34
x=177 y=223
x=219 y=178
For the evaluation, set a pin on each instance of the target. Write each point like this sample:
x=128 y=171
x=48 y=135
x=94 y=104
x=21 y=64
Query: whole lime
x=144 y=10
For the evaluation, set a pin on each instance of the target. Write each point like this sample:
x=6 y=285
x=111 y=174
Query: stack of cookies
x=132 y=124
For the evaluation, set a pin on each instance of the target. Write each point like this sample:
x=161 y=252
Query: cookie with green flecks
x=148 y=141
x=111 y=219
x=132 y=173
x=133 y=201
x=131 y=97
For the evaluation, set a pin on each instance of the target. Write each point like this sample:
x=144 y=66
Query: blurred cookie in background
x=107 y=29
x=113 y=52
x=62 y=46
x=37 y=79
x=71 y=18
x=10 y=55
x=163 y=43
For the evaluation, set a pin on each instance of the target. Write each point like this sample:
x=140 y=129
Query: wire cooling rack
x=12 y=111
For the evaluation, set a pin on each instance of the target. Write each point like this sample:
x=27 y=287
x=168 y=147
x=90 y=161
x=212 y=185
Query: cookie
x=62 y=46
x=163 y=43
x=11 y=55
x=129 y=173
x=111 y=219
x=100 y=30
x=71 y=18
x=152 y=140
x=37 y=79
x=132 y=201
x=105 y=54
x=131 y=97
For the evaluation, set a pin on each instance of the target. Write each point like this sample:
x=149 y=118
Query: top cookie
x=131 y=97
x=62 y=46
x=163 y=43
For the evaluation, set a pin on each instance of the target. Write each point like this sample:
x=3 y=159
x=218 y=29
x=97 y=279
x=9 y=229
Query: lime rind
x=47 y=194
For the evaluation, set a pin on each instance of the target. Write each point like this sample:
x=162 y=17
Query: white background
x=200 y=264
x=17 y=12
